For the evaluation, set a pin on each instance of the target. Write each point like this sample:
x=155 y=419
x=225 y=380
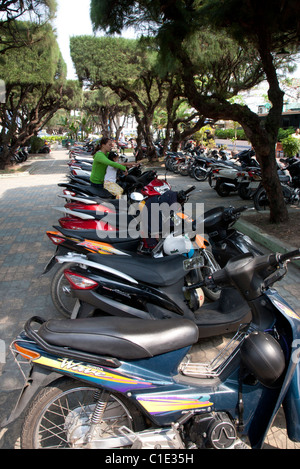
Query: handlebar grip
x=189 y=190
x=289 y=255
x=240 y=209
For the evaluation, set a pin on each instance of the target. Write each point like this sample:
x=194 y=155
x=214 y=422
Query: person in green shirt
x=101 y=161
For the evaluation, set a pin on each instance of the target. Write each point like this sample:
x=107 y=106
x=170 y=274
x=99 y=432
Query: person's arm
x=101 y=158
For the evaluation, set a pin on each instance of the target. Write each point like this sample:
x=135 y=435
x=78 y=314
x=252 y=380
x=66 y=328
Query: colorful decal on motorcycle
x=94 y=373
x=286 y=310
x=158 y=405
x=101 y=248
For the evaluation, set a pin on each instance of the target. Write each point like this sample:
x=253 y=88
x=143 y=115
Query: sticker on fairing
x=286 y=310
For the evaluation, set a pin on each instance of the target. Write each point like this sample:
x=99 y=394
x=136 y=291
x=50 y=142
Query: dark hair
x=112 y=155
x=103 y=141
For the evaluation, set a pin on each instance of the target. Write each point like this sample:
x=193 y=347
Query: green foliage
x=284 y=133
x=36 y=143
x=230 y=134
x=37 y=63
x=291 y=146
x=107 y=59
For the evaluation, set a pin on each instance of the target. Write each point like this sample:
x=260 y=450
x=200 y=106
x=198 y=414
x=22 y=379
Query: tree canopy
x=255 y=29
x=14 y=14
x=36 y=87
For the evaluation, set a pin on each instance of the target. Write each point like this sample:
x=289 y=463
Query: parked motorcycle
x=226 y=242
x=292 y=165
x=225 y=179
x=291 y=196
x=110 y=382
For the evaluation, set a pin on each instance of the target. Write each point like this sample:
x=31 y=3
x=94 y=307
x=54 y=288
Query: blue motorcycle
x=113 y=382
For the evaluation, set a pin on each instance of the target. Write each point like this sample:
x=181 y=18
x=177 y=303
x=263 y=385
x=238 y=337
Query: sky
x=72 y=19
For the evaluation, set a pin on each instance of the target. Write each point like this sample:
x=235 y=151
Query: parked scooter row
x=126 y=231
x=223 y=173
x=195 y=163
x=20 y=156
x=130 y=376
x=147 y=182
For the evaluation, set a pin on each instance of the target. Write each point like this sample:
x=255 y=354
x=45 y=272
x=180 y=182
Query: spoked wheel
x=61 y=292
x=68 y=414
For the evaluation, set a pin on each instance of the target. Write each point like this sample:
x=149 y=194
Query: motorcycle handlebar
x=260 y=263
x=239 y=209
x=189 y=190
x=289 y=255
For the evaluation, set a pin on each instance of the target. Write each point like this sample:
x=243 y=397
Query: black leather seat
x=123 y=338
x=162 y=271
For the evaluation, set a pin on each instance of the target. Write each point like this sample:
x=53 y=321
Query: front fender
x=38 y=377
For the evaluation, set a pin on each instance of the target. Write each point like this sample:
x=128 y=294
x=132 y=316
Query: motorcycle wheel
x=244 y=192
x=183 y=170
x=260 y=200
x=61 y=292
x=175 y=168
x=200 y=174
x=221 y=190
x=60 y=416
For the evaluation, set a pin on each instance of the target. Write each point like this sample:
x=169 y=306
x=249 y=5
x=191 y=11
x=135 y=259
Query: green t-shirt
x=99 y=167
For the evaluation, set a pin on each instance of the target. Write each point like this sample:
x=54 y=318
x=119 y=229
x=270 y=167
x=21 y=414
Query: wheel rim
x=64 y=295
x=65 y=420
x=200 y=174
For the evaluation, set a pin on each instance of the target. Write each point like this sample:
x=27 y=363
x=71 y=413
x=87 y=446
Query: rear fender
x=38 y=377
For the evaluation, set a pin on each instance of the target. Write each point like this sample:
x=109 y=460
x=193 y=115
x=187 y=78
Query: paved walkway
x=26 y=213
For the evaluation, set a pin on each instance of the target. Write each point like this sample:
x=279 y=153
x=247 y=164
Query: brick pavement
x=26 y=213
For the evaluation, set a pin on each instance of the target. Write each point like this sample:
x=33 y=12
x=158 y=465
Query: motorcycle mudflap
x=59 y=250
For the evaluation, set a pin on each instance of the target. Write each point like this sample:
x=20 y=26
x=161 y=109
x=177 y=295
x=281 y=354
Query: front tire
x=60 y=416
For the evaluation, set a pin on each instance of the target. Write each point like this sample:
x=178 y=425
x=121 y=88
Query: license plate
x=254 y=185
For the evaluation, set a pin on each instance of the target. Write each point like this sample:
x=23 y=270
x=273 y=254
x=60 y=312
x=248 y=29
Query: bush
x=36 y=143
x=290 y=146
x=230 y=133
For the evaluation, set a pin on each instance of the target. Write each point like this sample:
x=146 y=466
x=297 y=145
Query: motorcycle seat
x=123 y=338
x=162 y=271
